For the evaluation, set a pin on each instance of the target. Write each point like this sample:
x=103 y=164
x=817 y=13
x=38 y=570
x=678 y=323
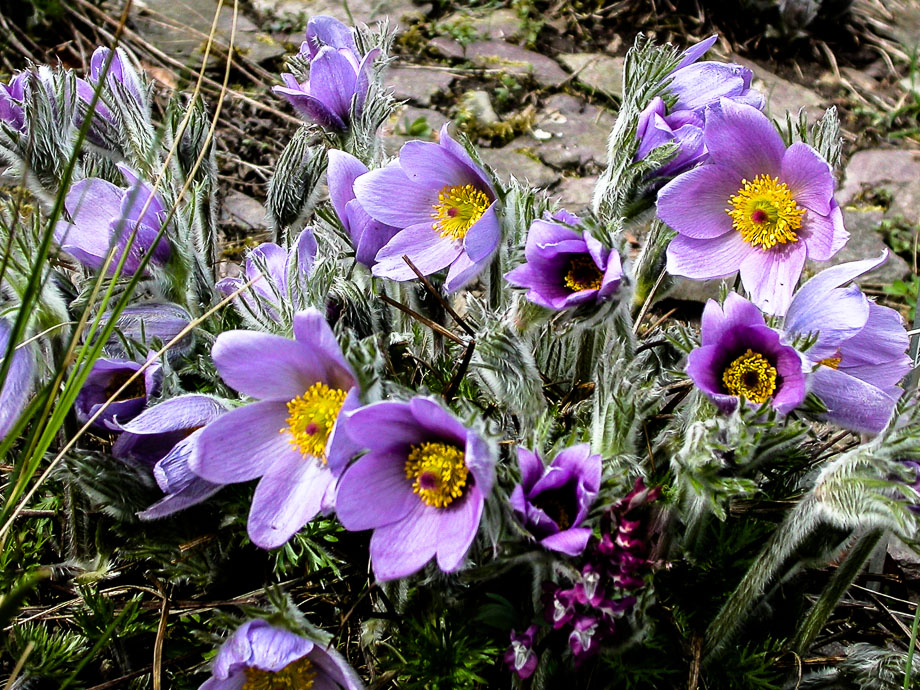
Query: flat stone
x=516 y=60
x=783 y=95
x=410 y=124
x=576 y=194
x=244 y=211
x=904 y=24
x=578 y=132
x=865 y=242
x=418 y=84
x=517 y=159
x=596 y=71
x=502 y=24
x=447 y=47
x=479 y=105
x=701 y=291
x=399 y=12
x=896 y=172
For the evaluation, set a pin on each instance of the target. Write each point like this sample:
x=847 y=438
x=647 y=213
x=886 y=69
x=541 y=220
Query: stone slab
x=516 y=60
x=596 y=71
x=783 y=95
x=418 y=84
x=517 y=159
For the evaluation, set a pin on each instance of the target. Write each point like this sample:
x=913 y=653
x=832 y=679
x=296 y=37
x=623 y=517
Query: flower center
x=136 y=389
x=750 y=375
x=765 y=213
x=297 y=675
x=583 y=274
x=438 y=471
x=457 y=210
x=312 y=417
x=832 y=362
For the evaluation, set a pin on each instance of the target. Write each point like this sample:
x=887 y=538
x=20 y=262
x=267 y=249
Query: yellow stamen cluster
x=765 y=213
x=312 y=417
x=750 y=375
x=832 y=362
x=457 y=210
x=583 y=275
x=438 y=471
x=297 y=675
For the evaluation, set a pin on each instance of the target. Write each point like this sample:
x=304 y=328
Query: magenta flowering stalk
x=443 y=204
x=367 y=235
x=756 y=207
x=20 y=379
x=12 y=95
x=291 y=436
x=102 y=215
x=163 y=437
x=553 y=502
x=421 y=486
x=260 y=656
x=104 y=379
x=741 y=357
x=520 y=656
x=564 y=267
x=860 y=353
x=272 y=268
x=339 y=76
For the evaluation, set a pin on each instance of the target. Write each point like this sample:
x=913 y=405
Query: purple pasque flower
x=699 y=85
x=443 y=204
x=163 y=437
x=120 y=71
x=741 y=356
x=657 y=127
x=272 y=268
x=301 y=386
x=553 y=501
x=260 y=656
x=755 y=206
x=12 y=96
x=104 y=379
x=520 y=656
x=421 y=486
x=102 y=215
x=339 y=76
x=145 y=323
x=859 y=355
x=367 y=235
x=20 y=379
x=564 y=267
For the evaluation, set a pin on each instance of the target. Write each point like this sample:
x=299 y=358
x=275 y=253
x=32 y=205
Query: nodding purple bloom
x=12 y=96
x=755 y=206
x=367 y=235
x=421 y=486
x=272 y=268
x=741 y=356
x=104 y=379
x=290 y=436
x=520 y=655
x=259 y=655
x=103 y=215
x=120 y=71
x=553 y=501
x=444 y=205
x=20 y=379
x=658 y=127
x=860 y=351
x=163 y=438
x=698 y=85
x=566 y=268
x=339 y=76
x=584 y=638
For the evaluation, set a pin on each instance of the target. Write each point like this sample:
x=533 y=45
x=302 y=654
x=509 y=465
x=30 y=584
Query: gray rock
x=502 y=24
x=399 y=12
x=447 y=47
x=596 y=71
x=244 y=211
x=479 y=105
x=578 y=132
x=517 y=159
x=783 y=95
x=516 y=60
x=701 y=291
x=865 y=242
x=896 y=172
x=575 y=194
x=418 y=84
x=400 y=127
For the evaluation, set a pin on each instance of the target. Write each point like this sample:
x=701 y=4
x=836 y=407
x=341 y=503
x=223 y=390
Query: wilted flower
x=103 y=215
x=741 y=356
x=259 y=656
x=860 y=351
x=421 y=486
x=163 y=437
x=444 y=205
x=148 y=322
x=302 y=387
x=20 y=379
x=104 y=379
x=520 y=655
x=367 y=235
x=755 y=206
x=272 y=268
x=565 y=267
x=12 y=96
x=338 y=75
x=553 y=501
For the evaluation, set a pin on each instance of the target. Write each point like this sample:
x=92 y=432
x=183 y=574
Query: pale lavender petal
x=323 y=30
x=429 y=164
x=824 y=235
x=851 y=403
x=332 y=80
x=384 y=426
x=809 y=177
x=735 y=311
x=531 y=467
x=271 y=648
x=462 y=271
x=877 y=354
x=314 y=334
x=377 y=190
x=742 y=138
x=404 y=547
x=437 y=422
x=18 y=384
x=457 y=530
x=303 y=254
x=425 y=248
x=374 y=492
x=705 y=259
x=197 y=491
x=694 y=203
x=704 y=368
x=341 y=448
x=461 y=154
x=342 y=171
x=266 y=366
x=480 y=461
x=235 y=682
x=183 y=412
x=696 y=51
x=697 y=86
x=310 y=106
x=770 y=276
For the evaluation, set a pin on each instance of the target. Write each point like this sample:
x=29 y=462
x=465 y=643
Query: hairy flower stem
x=841 y=580
x=584 y=360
